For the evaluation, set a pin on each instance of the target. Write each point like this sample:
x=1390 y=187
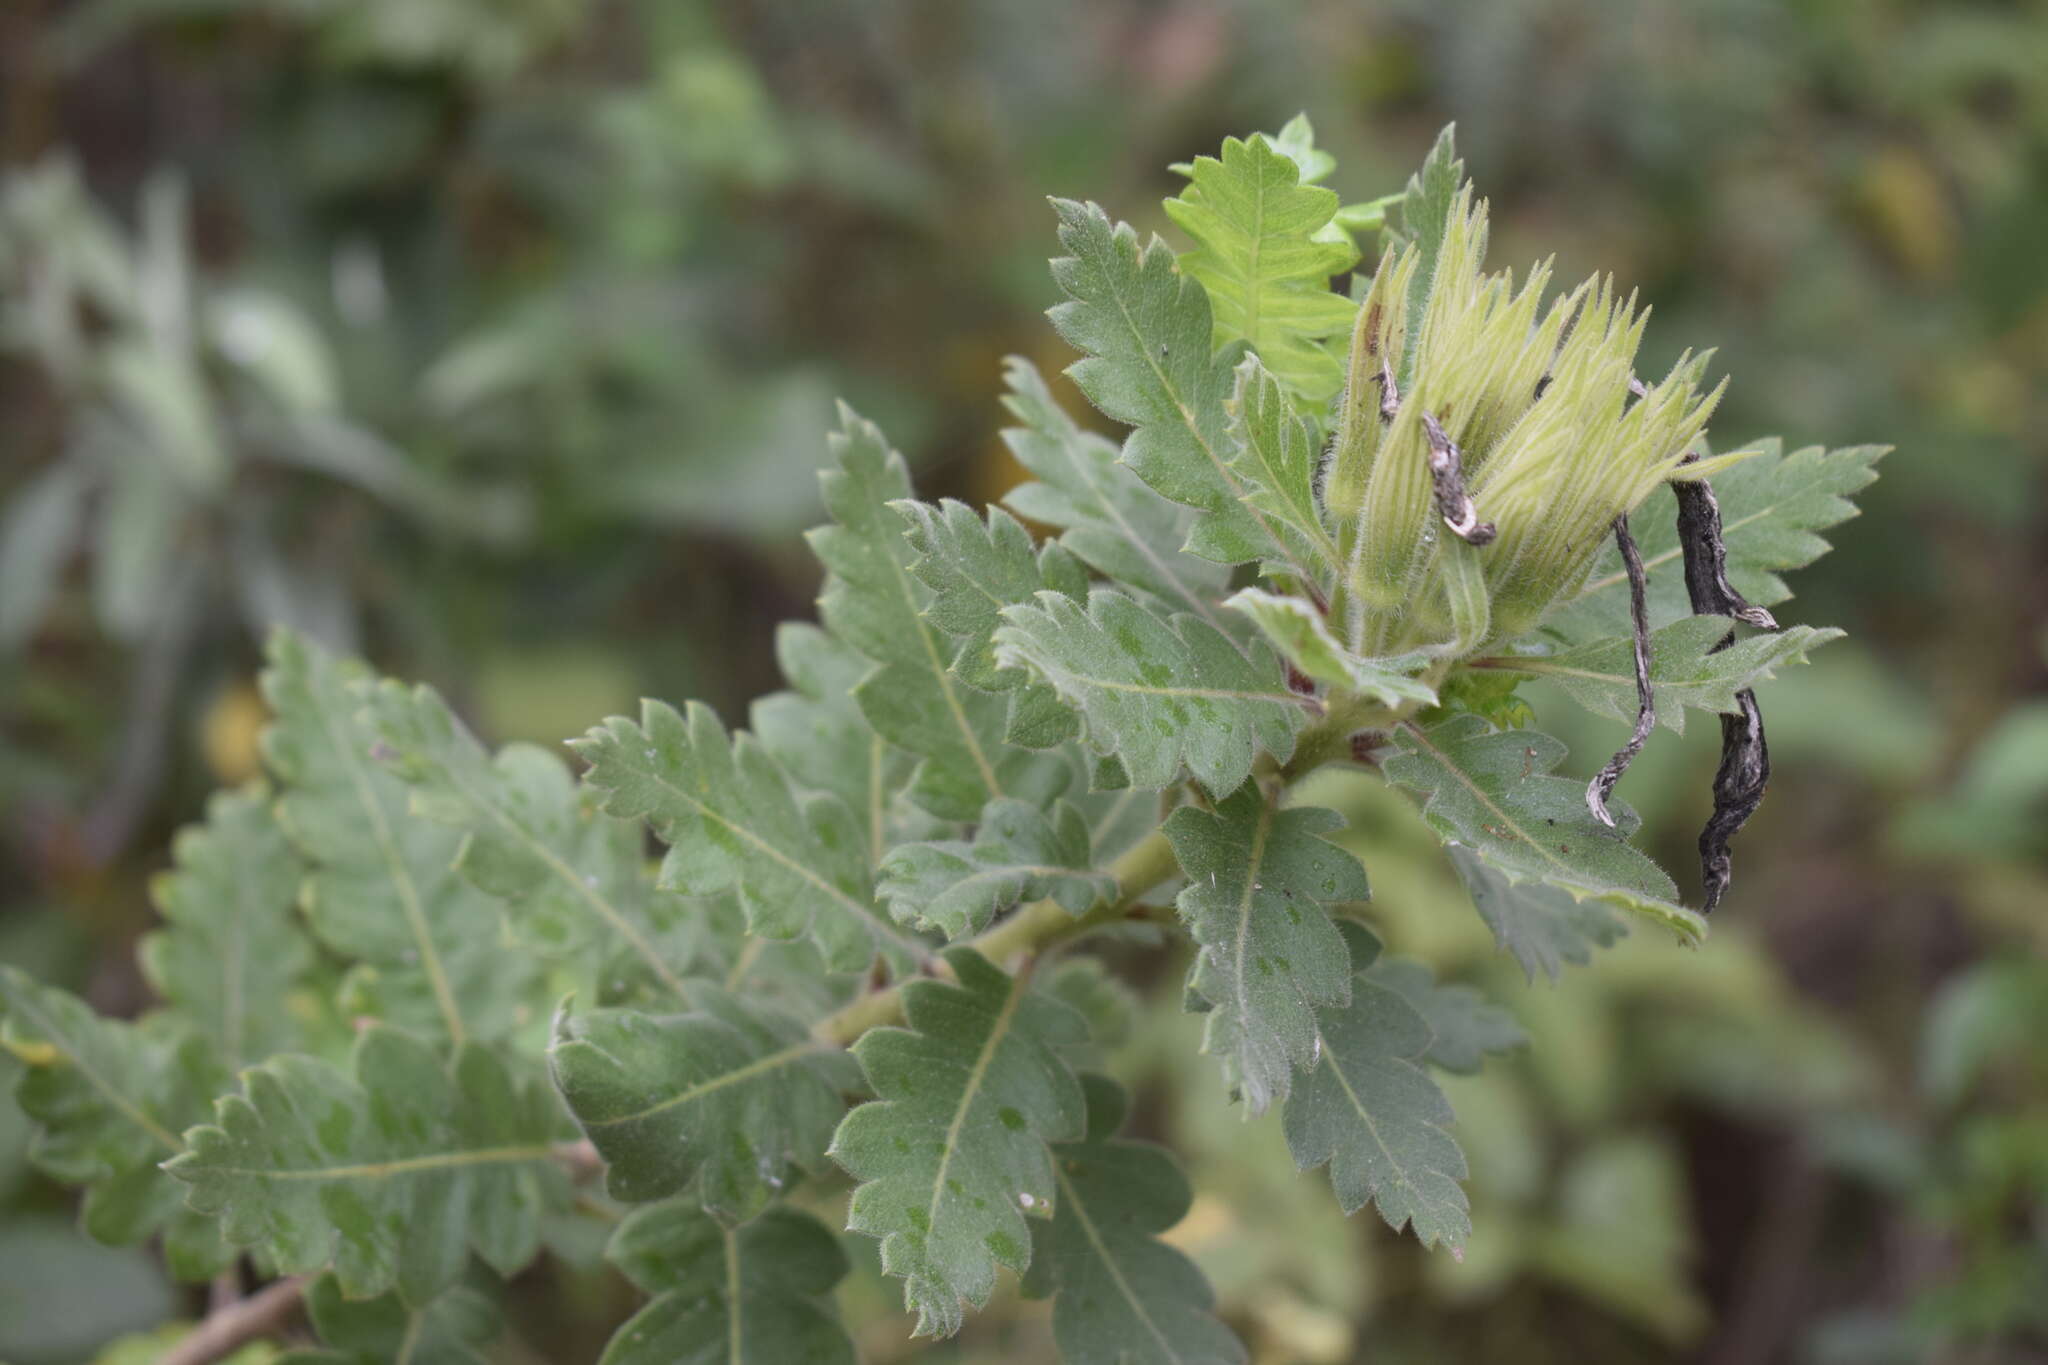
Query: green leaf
x=1544 y=927
x=38 y=531
x=572 y=880
x=1111 y=519
x=1773 y=507
x=454 y=1328
x=738 y=1093
x=1464 y=1025
x=1368 y=1109
x=952 y=1154
x=1258 y=881
x=1121 y=1296
x=730 y=819
x=1275 y=455
x=1301 y=633
x=873 y=602
x=752 y=1295
x=1425 y=218
x=1159 y=694
x=1492 y=791
x=816 y=733
x=383 y=889
x=108 y=1099
x=1686 y=669
x=975 y=569
x=388 y=1176
x=1019 y=854
x=1144 y=328
x=1265 y=259
x=233 y=947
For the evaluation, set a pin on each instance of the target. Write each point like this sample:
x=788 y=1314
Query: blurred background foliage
x=496 y=339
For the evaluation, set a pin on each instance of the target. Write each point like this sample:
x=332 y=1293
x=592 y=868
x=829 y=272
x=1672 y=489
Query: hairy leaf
x=1492 y=791
x=1275 y=455
x=1301 y=633
x=952 y=1154
x=1426 y=210
x=1112 y=520
x=752 y=1295
x=571 y=879
x=454 y=1328
x=1686 y=667
x=975 y=568
x=1544 y=927
x=1160 y=694
x=1464 y=1025
x=1121 y=1296
x=234 y=947
x=108 y=1100
x=736 y=1093
x=1368 y=1109
x=730 y=819
x=390 y=1175
x=1265 y=257
x=1144 y=328
x=873 y=602
x=1258 y=881
x=1773 y=507
x=1019 y=854
x=383 y=888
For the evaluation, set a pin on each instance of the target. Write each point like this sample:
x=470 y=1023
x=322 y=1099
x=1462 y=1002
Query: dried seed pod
x=1602 y=785
x=1453 y=503
x=1706 y=558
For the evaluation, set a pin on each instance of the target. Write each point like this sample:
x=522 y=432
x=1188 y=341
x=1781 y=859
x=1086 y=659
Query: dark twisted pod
x=1602 y=785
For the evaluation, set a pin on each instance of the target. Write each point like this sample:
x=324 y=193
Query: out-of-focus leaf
x=1464 y=1024
x=63 y=1297
x=38 y=531
x=276 y=344
x=1543 y=926
x=454 y=1328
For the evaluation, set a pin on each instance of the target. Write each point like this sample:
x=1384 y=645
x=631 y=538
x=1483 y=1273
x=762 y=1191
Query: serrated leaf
x=1773 y=507
x=816 y=733
x=1145 y=330
x=1544 y=927
x=1112 y=520
x=1426 y=208
x=873 y=602
x=233 y=948
x=454 y=1328
x=1492 y=791
x=952 y=1154
x=1368 y=1109
x=752 y=1295
x=1686 y=667
x=1160 y=694
x=1464 y=1025
x=1258 y=881
x=1265 y=259
x=975 y=568
x=1018 y=854
x=730 y=819
x=733 y=1096
x=1121 y=1296
x=108 y=1100
x=1275 y=454
x=389 y=1174
x=383 y=889
x=1301 y=634
x=572 y=880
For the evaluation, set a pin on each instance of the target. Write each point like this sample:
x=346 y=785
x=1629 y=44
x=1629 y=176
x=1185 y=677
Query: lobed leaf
x=454 y=1328
x=1264 y=255
x=1368 y=1110
x=1122 y=1296
x=1160 y=694
x=1276 y=455
x=730 y=1095
x=1543 y=926
x=731 y=820
x=952 y=1154
x=1464 y=1026
x=1018 y=854
x=752 y=1295
x=1301 y=633
x=1492 y=791
x=389 y=1174
x=1258 y=879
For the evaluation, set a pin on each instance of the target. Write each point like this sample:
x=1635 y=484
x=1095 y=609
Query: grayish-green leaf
x=1121 y=1296
x=1160 y=695
x=1274 y=454
x=1543 y=926
x=1493 y=791
x=1300 y=631
x=389 y=1176
x=38 y=532
x=737 y=1093
x=1258 y=881
x=1465 y=1026
x=1019 y=854
x=952 y=1155
x=752 y=1295
x=454 y=1328
x=730 y=819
